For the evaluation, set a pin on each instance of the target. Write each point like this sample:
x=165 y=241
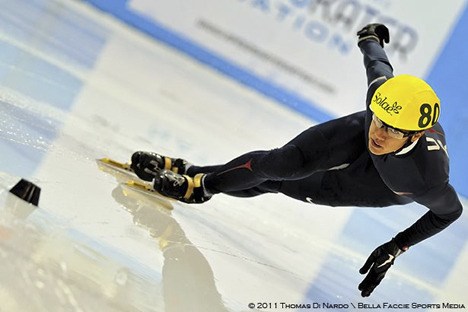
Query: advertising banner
x=308 y=47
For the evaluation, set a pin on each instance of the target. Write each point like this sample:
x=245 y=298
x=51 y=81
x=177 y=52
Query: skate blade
x=144 y=190
x=121 y=171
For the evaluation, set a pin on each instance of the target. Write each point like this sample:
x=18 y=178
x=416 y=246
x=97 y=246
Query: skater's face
x=384 y=139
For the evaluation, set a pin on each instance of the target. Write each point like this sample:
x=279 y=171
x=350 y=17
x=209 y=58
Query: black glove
x=379 y=261
x=378 y=32
x=145 y=165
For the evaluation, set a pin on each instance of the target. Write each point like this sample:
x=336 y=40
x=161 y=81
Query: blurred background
x=206 y=81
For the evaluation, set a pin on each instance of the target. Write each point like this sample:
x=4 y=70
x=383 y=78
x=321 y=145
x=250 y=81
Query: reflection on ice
x=187 y=278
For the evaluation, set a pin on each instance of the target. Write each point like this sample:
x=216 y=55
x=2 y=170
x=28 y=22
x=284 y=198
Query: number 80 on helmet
x=406 y=102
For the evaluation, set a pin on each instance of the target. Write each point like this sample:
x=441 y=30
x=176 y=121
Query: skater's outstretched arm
x=371 y=42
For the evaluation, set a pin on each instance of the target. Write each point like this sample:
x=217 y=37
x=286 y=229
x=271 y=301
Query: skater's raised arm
x=371 y=42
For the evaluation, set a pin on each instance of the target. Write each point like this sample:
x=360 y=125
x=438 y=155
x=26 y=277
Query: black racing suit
x=330 y=164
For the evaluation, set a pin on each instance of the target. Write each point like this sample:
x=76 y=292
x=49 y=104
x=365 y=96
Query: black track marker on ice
x=27 y=191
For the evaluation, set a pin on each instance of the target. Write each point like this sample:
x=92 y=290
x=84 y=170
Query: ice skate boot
x=181 y=187
x=147 y=164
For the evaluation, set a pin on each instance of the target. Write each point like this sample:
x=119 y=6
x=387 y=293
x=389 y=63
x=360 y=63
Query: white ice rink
x=76 y=85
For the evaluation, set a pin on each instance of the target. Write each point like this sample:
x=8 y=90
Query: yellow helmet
x=406 y=102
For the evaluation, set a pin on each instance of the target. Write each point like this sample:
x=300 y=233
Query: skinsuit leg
x=331 y=144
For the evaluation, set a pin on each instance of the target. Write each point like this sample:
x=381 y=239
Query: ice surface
x=76 y=86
